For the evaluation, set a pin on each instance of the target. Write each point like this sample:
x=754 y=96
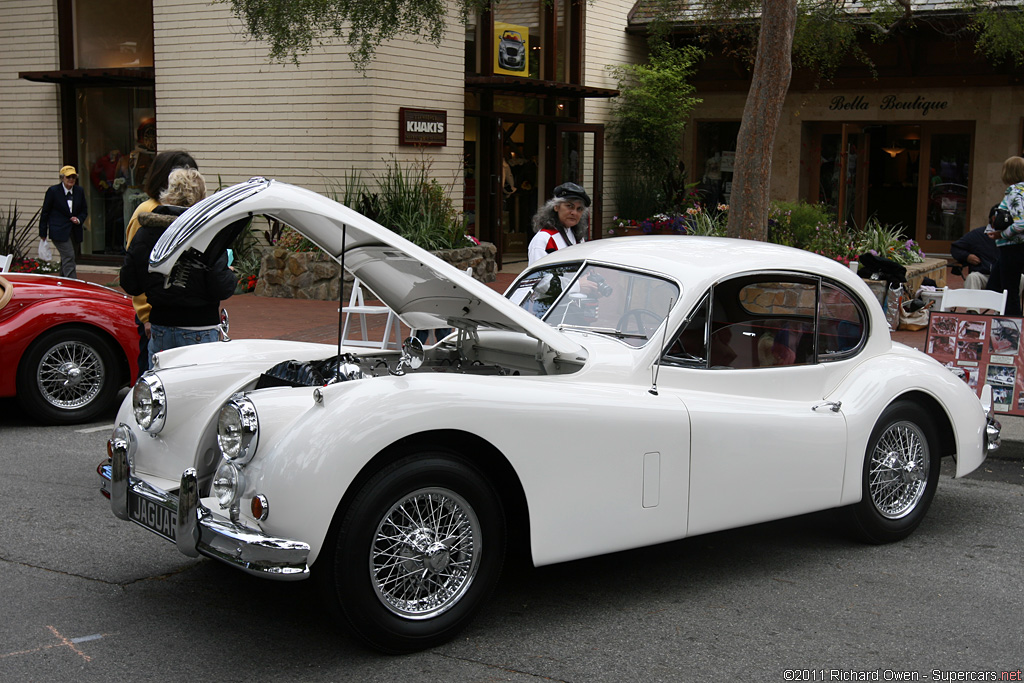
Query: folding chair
x=357 y=306
x=973 y=299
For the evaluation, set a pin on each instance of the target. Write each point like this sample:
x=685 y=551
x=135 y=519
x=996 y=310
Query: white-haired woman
x=561 y=222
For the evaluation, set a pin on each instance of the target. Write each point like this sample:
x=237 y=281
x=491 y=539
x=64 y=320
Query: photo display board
x=982 y=349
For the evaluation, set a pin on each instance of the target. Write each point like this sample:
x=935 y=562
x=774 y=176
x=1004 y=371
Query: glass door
x=853 y=174
x=945 y=156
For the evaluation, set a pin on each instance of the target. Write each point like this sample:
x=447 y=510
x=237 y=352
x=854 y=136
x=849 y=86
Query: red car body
x=79 y=324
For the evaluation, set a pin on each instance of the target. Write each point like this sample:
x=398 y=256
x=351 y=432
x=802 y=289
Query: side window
x=760 y=322
x=690 y=346
x=841 y=324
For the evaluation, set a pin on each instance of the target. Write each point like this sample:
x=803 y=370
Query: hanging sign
x=511 y=49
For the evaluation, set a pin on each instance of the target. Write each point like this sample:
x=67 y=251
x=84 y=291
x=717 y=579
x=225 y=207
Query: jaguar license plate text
x=153 y=516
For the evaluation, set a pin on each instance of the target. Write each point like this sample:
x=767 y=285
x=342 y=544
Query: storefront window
x=117 y=133
x=713 y=164
x=113 y=34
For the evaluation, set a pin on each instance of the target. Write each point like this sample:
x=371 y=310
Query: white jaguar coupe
x=624 y=392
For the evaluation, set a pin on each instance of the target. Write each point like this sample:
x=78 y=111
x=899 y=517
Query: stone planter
x=312 y=275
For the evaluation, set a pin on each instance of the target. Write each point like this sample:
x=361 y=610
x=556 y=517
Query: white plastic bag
x=45 y=250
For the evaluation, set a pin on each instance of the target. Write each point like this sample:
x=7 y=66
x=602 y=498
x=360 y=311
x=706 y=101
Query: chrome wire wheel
x=425 y=553
x=70 y=375
x=899 y=471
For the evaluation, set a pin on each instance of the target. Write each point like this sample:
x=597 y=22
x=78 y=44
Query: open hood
x=422 y=289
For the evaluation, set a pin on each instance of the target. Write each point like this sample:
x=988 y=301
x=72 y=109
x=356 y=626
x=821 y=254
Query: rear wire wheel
x=900 y=475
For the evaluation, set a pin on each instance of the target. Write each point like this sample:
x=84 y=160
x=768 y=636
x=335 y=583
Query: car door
x=753 y=369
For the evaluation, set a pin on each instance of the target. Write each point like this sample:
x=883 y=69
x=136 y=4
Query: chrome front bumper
x=197 y=530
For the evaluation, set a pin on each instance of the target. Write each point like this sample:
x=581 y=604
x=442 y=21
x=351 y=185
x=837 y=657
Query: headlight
x=149 y=403
x=238 y=429
x=227 y=483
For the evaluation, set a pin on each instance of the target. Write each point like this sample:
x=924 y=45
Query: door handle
x=834 y=406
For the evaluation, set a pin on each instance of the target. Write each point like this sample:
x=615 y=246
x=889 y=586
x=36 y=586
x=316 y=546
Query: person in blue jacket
x=62 y=217
x=976 y=253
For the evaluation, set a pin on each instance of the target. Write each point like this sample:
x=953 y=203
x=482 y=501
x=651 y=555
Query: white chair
x=357 y=306
x=5 y=262
x=973 y=299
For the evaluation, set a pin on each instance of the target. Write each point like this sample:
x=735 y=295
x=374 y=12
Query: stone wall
x=313 y=275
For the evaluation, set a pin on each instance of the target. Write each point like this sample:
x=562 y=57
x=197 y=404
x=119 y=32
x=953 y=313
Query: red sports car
x=66 y=346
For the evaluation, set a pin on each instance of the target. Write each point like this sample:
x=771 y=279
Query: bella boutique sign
x=889 y=103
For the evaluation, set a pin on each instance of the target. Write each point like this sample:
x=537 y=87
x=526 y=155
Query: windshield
x=620 y=303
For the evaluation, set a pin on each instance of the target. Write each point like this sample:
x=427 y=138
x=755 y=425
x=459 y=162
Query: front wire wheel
x=425 y=553
x=900 y=475
x=415 y=555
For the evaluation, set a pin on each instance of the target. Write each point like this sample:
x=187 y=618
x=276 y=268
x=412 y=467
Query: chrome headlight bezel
x=238 y=429
x=149 y=403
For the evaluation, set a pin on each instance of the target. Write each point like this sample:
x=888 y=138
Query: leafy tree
x=650 y=114
x=293 y=27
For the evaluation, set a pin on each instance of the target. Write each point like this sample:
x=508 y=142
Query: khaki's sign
x=422 y=127
x=887 y=103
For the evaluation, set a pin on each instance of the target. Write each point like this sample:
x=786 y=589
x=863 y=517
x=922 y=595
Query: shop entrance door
x=914 y=177
x=854 y=162
x=579 y=158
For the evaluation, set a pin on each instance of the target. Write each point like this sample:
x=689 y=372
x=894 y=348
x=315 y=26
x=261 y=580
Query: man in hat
x=62 y=216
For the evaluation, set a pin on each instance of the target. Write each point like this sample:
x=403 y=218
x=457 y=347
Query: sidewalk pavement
x=257 y=317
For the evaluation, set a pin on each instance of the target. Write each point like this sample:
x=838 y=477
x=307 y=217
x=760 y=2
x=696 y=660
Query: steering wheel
x=638 y=317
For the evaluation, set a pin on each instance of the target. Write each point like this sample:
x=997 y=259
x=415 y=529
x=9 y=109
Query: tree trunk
x=752 y=168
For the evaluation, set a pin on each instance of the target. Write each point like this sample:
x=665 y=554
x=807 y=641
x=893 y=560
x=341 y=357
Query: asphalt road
x=86 y=597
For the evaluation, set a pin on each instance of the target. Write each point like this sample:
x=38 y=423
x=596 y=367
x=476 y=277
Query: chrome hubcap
x=425 y=553
x=70 y=375
x=898 y=475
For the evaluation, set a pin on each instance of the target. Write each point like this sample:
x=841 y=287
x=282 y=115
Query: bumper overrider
x=191 y=526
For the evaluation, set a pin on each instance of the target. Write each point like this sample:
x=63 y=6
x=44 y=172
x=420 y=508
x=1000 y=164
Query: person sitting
x=977 y=254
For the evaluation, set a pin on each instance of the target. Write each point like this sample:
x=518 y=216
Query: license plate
x=153 y=516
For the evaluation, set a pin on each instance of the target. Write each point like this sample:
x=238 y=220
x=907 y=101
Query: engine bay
x=414 y=358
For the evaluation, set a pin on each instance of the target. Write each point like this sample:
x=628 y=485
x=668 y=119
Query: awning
x=536 y=87
x=139 y=76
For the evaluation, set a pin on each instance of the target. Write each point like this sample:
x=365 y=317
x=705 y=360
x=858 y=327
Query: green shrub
x=887 y=241
x=638 y=196
x=796 y=224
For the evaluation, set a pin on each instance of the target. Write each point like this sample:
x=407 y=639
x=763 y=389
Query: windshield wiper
x=609 y=331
